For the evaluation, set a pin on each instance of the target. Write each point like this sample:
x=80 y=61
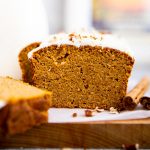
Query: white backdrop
x=21 y=22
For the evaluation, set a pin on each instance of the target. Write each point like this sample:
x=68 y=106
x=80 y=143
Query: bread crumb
x=74 y=115
x=98 y=110
x=113 y=110
x=88 y=113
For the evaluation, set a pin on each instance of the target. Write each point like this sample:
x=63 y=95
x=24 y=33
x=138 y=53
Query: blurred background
x=25 y=21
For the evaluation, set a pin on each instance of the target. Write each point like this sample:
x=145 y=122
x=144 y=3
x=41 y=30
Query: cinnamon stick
x=145 y=101
x=131 y=100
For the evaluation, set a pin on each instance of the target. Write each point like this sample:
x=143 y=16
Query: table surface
x=103 y=134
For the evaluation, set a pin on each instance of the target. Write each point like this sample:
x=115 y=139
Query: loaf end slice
x=24 y=106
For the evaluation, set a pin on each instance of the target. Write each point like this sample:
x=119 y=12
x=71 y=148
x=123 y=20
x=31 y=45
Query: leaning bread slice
x=22 y=105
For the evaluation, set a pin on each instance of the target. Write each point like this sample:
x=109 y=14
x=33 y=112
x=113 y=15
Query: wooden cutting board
x=103 y=134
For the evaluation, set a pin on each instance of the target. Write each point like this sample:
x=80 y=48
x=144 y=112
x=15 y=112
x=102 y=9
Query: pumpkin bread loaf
x=84 y=70
x=22 y=105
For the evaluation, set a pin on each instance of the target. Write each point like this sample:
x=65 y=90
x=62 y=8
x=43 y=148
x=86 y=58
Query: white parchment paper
x=64 y=115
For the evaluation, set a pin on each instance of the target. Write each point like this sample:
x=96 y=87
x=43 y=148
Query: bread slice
x=23 y=105
x=82 y=70
x=24 y=63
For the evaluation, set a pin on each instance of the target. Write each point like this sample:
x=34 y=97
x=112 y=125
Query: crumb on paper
x=74 y=115
x=88 y=113
x=98 y=110
x=113 y=110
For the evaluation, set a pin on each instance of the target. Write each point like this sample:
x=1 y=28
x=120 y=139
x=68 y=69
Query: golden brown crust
x=24 y=62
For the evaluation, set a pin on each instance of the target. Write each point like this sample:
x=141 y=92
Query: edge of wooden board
x=102 y=134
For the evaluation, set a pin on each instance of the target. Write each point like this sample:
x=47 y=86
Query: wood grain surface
x=104 y=134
